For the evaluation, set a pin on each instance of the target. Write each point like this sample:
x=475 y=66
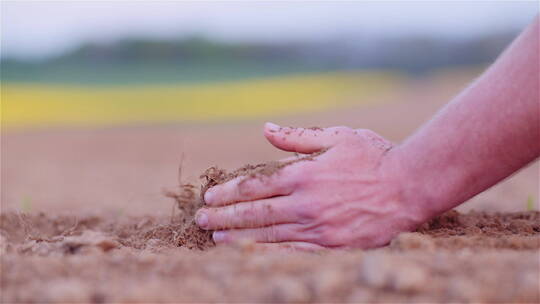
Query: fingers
x=245 y=188
x=247 y=214
x=269 y=234
x=303 y=140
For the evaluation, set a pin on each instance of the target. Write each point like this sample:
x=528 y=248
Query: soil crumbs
x=456 y=257
x=100 y=258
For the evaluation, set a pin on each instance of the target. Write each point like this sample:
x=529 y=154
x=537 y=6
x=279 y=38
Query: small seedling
x=530 y=203
x=26 y=204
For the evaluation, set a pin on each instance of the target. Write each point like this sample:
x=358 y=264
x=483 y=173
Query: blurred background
x=102 y=101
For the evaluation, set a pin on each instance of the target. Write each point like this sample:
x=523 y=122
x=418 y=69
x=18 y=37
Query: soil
x=182 y=230
x=456 y=257
x=214 y=176
x=99 y=258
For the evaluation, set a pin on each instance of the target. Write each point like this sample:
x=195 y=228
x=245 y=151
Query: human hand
x=346 y=197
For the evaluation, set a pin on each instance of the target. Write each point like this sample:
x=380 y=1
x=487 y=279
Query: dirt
x=456 y=257
x=214 y=176
x=452 y=230
x=100 y=258
x=106 y=258
x=182 y=229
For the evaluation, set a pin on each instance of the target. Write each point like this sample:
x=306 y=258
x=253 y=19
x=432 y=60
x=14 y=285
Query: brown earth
x=215 y=176
x=475 y=257
x=84 y=219
x=102 y=258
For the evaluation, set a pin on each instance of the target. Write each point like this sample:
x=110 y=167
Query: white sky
x=37 y=29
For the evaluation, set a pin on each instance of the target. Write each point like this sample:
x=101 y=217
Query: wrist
x=419 y=190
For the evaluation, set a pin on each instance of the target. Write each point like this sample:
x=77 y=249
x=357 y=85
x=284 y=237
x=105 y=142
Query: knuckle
x=306 y=212
x=374 y=139
x=325 y=238
x=268 y=210
x=248 y=212
x=270 y=234
x=341 y=130
x=316 y=232
x=245 y=188
x=291 y=176
x=308 y=232
x=256 y=214
x=332 y=237
x=278 y=185
x=215 y=218
x=300 y=173
x=366 y=133
x=369 y=135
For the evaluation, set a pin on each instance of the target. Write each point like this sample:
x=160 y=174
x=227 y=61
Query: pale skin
x=364 y=190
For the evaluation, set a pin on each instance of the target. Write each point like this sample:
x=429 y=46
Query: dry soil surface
x=476 y=257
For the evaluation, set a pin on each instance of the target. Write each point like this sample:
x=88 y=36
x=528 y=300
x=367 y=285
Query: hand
x=348 y=196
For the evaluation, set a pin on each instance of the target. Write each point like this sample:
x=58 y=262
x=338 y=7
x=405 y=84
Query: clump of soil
x=186 y=233
x=214 y=176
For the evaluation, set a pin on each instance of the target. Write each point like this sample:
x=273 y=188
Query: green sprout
x=26 y=204
x=530 y=203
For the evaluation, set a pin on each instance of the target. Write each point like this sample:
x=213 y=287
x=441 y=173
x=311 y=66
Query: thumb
x=300 y=140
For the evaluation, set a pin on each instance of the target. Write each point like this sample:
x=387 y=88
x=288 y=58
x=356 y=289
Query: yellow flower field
x=44 y=105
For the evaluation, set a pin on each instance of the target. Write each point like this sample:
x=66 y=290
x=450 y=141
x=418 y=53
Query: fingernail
x=272 y=127
x=201 y=219
x=208 y=197
x=218 y=236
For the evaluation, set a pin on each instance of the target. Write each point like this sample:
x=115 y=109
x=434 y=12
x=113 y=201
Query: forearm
x=485 y=134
